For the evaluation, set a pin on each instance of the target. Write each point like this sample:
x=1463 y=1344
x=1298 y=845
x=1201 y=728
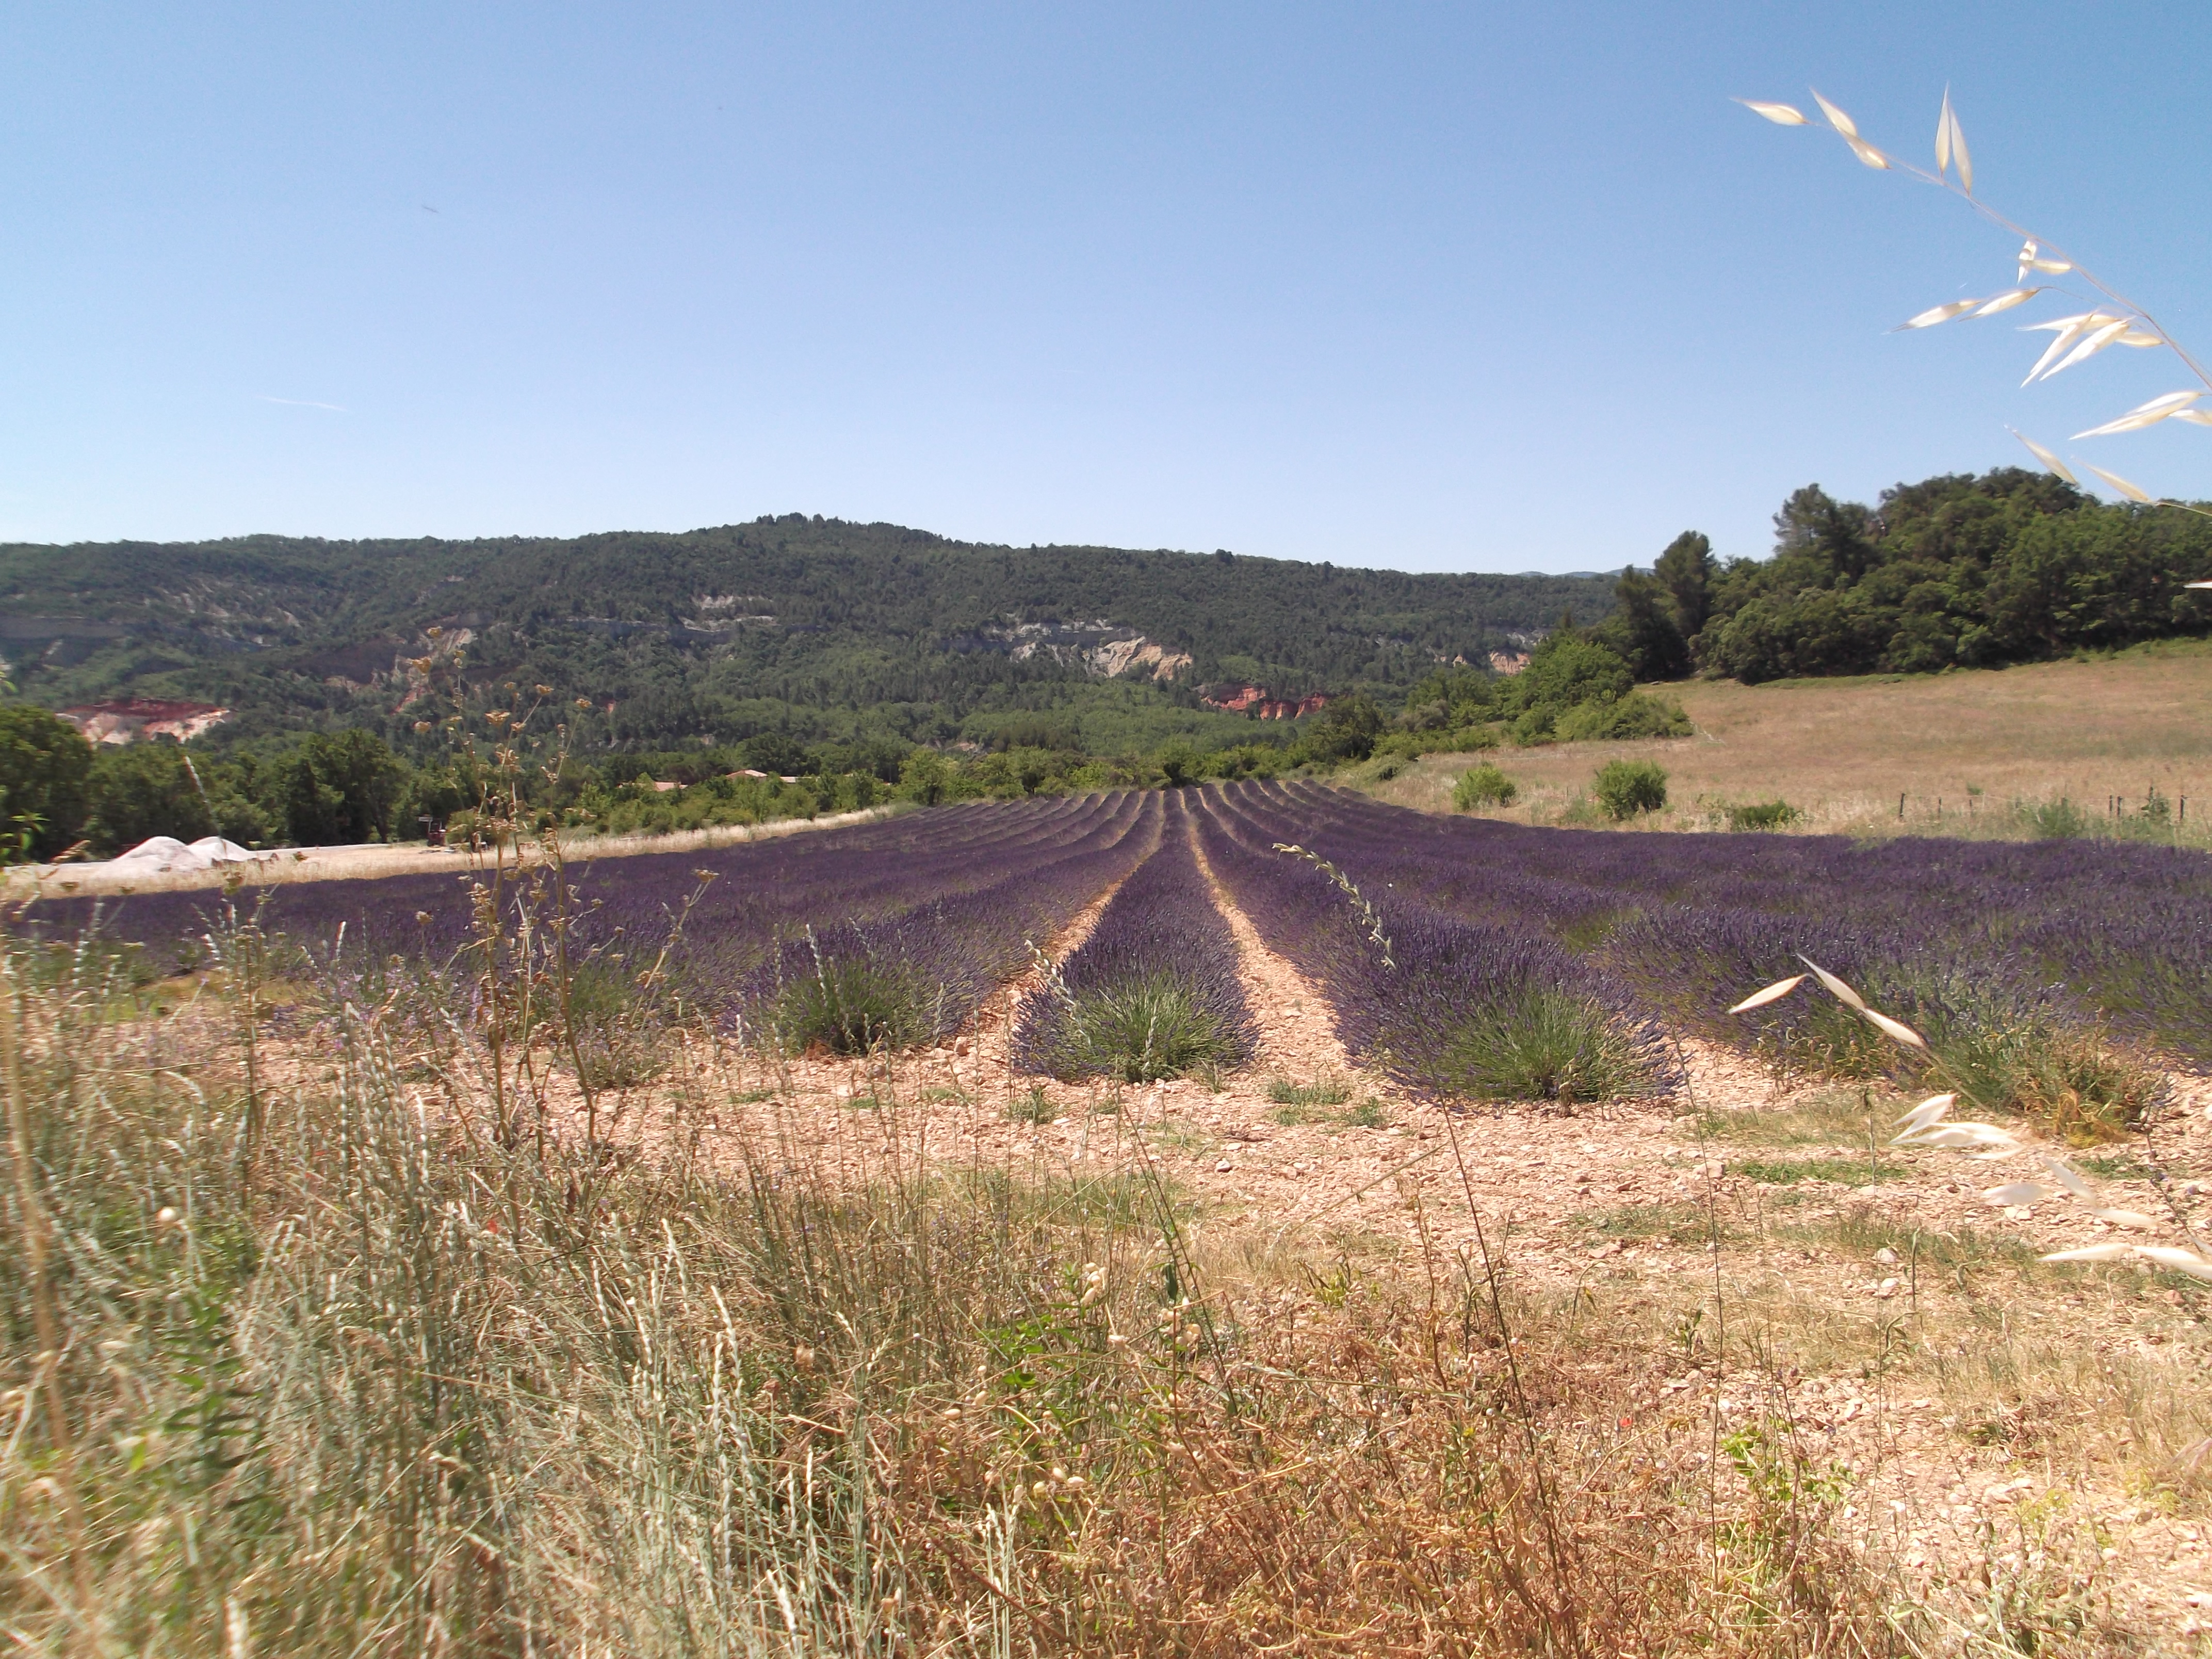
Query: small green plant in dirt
x=1678 y=1224
x=850 y=1006
x=1367 y=1115
x=1763 y=815
x=1140 y=1029
x=1627 y=788
x=1785 y=1172
x=1546 y=1045
x=1324 y=1091
x=1484 y=785
x=1034 y=1107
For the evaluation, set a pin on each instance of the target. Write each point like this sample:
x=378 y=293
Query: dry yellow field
x=1963 y=750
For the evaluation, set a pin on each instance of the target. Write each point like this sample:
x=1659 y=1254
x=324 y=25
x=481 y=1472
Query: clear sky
x=1473 y=287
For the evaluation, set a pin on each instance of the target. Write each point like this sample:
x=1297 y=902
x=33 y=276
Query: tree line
x=1956 y=571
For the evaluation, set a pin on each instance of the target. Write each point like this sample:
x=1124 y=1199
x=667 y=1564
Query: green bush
x=1626 y=788
x=2056 y=820
x=1636 y=715
x=1140 y=1030
x=45 y=766
x=1547 y=1046
x=851 y=1005
x=1763 y=815
x=1486 y=785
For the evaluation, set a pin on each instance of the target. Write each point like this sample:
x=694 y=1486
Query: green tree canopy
x=46 y=766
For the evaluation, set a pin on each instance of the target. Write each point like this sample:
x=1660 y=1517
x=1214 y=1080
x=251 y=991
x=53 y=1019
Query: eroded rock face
x=1247 y=699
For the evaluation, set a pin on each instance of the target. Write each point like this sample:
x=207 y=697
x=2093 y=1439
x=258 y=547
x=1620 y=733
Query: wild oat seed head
x=2180 y=1261
x=1896 y=1028
x=2050 y=462
x=1783 y=115
x=1774 y=993
x=2134 y=1219
x=2093 y=1253
x=1841 y=992
x=1935 y=314
x=2133 y=492
x=1927 y=1112
x=1837 y=118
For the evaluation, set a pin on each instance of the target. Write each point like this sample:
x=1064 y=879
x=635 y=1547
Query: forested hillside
x=816 y=627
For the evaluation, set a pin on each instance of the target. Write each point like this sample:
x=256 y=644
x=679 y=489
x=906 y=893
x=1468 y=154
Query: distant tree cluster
x=1956 y=571
x=325 y=788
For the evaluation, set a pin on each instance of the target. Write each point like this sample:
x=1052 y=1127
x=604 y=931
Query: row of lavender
x=1962 y=938
x=852 y=982
x=1449 y=1006
x=1154 y=991
x=949 y=897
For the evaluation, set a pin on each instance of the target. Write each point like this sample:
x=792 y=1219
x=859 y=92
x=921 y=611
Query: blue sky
x=1467 y=287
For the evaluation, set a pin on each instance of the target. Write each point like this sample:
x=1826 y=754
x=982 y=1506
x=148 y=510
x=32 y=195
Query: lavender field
x=1468 y=959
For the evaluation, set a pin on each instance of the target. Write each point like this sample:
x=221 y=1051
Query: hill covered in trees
x=819 y=629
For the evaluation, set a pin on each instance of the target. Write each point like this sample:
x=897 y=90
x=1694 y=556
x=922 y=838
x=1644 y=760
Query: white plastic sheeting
x=168 y=852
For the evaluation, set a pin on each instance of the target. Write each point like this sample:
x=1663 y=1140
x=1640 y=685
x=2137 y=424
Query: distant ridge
x=788 y=620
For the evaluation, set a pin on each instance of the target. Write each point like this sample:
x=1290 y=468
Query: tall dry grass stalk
x=2110 y=318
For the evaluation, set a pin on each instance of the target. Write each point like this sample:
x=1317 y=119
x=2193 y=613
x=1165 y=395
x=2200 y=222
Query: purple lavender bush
x=1154 y=991
x=1452 y=1009
x=861 y=983
x=2038 y=972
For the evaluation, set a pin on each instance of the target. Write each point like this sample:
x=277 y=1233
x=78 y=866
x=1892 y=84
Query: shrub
x=1486 y=785
x=1546 y=1045
x=850 y=1006
x=2056 y=820
x=1763 y=815
x=44 y=768
x=2066 y=1080
x=1626 y=788
x=1636 y=715
x=1140 y=1029
x=1533 y=729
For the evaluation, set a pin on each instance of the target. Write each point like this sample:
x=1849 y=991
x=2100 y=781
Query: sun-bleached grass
x=1963 y=748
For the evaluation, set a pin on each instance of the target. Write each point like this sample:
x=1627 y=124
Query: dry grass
x=802 y=1366
x=339 y=1373
x=1843 y=751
